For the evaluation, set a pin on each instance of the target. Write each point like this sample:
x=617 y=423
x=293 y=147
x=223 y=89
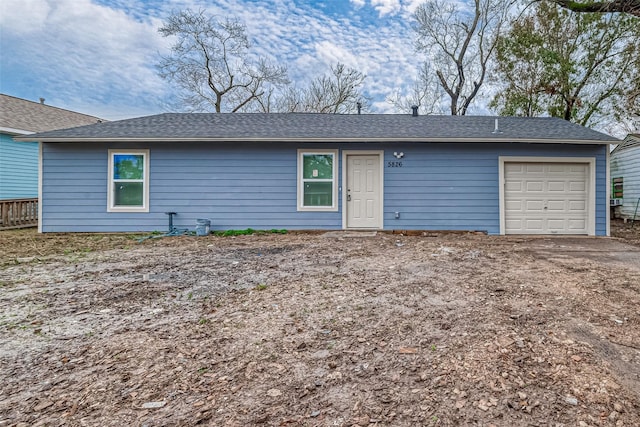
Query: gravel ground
x=309 y=329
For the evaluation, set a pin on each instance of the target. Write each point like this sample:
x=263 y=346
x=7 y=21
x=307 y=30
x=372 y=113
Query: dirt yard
x=320 y=330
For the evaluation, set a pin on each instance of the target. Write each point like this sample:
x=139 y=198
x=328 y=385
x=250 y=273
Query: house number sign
x=394 y=164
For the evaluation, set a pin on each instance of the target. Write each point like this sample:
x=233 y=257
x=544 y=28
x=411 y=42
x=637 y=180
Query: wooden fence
x=18 y=213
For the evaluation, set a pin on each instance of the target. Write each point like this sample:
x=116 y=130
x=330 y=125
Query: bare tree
x=211 y=65
x=426 y=93
x=632 y=105
x=627 y=115
x=459 y=44
x=631 y=7
x=335 y=92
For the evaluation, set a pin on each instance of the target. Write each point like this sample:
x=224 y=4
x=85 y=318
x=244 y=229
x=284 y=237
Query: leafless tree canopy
x=210 y=63
x=336 y=92
x=425 y=93
x=632 y=105
x=458 y=44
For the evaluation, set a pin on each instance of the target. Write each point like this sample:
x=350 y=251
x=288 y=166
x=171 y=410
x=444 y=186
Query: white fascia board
x=13 y=131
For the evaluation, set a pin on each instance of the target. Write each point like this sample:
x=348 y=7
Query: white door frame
x=591 y=184
x=345 y=154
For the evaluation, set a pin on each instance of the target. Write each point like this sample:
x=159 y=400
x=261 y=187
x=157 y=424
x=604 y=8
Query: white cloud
x=77 y=50
x=385 y=7
x=390 y=7
x=411 y=5
x=328 y=52
x=309 y=42
x=23 y=16
x=98 y=56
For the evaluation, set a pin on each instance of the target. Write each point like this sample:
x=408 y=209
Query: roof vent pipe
x=496 y=129
x=415 y=110
x=359 y=105
x=42 y=101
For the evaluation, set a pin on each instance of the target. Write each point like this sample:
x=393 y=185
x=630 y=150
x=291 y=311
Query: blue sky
x=97 y=56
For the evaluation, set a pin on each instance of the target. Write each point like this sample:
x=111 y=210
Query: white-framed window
x=128 y=181
x=317 y=180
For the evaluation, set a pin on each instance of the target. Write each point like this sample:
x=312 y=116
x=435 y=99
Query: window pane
x=128 y=166
x=128 y=193
x=317 y=166
x=318 y=193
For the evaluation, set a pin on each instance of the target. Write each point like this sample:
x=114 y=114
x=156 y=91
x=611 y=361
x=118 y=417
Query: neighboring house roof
x=310 y=127
x=20 y=116
x=631 y=140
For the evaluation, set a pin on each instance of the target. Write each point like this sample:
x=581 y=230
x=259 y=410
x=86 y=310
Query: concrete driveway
x=606 y=250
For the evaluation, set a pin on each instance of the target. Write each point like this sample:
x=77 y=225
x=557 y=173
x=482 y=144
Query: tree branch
x=631 y=7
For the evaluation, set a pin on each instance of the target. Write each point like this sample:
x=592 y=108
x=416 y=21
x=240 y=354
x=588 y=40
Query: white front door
x=363 y=191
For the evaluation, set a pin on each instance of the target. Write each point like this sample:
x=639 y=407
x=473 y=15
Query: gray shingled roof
x=23 y=115
x=328 y=127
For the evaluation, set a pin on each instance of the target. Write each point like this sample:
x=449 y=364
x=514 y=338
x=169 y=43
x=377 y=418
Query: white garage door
x=546 y=198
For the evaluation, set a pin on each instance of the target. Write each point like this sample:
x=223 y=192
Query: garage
x=428 y=173
x=546 y=197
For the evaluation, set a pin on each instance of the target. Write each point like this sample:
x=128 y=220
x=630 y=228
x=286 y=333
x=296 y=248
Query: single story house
x=19 y=161
x=625 y=174
x=500 y=175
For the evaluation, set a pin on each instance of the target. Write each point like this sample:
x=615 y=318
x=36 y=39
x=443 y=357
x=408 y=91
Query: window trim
x=300 y=181
x=145 y=182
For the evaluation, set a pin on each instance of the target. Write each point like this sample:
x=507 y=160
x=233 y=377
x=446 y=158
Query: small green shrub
x=248 y=231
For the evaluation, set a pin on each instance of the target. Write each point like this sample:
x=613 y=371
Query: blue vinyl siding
x=233 y=185
x=18 y=169
x=455 y=186
x=439 y=186
x=625 y=163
